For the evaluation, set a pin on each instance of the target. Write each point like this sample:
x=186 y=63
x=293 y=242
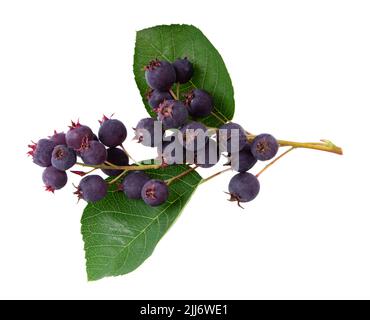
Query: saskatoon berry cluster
x=195 y=138
x=59 y=153
x=190 y=142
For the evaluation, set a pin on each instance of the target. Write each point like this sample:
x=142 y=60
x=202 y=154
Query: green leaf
x=210 y=73
x=120 y=234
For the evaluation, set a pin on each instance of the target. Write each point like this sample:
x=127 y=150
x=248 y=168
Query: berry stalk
x=183 y=174
x=127 y=168
x=274 y=161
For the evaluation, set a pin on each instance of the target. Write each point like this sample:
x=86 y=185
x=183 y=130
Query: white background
x=300 y=69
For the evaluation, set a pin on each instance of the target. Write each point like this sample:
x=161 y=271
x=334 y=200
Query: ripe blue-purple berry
x=133 y=183
x=63 y=158
x=59 y=138
x=149 y=132
x=243 y=160
x=155 y=192
x=193 y=136
x=41 y=152
x=160 y=75
x=172 y=113
x=112 y=132
x=171 y=151
x=117 y=157
x=78 y=136
x=92 y=188
x=209 y=156
x=199 y=103
x=184 y=70
x=54 y=179
x=231 y=137
x=94 y=153
x=264 y=147
x=155 y=97
x=243 y=187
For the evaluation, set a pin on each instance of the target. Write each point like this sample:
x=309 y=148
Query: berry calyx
x=199 y=103
x=160 y=75
x=94 y=153
x=63 y=158
x=78 y=135
x=155 y=97
x=172 y=113
x=155 y=192
x=41 y=152
x=264 y=147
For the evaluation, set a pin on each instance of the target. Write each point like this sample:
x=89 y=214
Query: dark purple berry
x=112 y=132
x=133 y=183
x=78 y=136
x=155 y=97
x=184 y=70
x=243 y=160
x=63 y=158
x=160 y=75
x=199 y=103
x=149 y=132
x=231 y=137
x=243 y=187
x=59 y=138
x=94 y=153
x=264 y=147
x=172 y=113
x=117 y=157
x=41 y=152
x=54 y=179
x=209 y=156
x=154 y=192
x=193 y=136
x=171 y=151
x=92 y=188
